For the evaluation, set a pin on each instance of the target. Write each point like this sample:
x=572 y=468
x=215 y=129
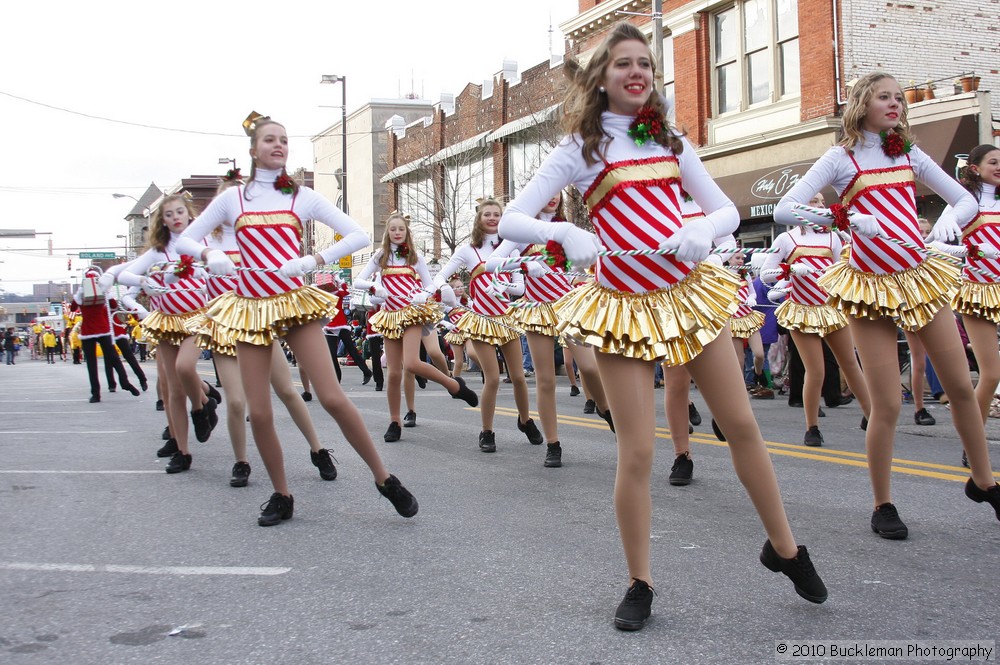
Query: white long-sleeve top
x=183 y=296
x=983 y=229
x=474 y=260
x=634 y=197
x=228 y=206
x=892 y=204
x=803 y=246
x=398 y=278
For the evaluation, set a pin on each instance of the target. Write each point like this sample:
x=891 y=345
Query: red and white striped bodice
x=804 y=288
x=401 y=283
x=888 y=194
x=984 y=229
x=183 y=296
x=217 y=285
x=549 y=287
x=458 y=312
x=742 y=297
x=485 y=303
x=636 y=204
x=267 y=240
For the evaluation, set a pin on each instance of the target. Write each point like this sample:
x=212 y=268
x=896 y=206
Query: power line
x=157 y=127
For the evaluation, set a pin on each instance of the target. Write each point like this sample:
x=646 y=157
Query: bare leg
x=187 y=372
x=255 y=364
x=876 y=342
x=303 y=375
x=590 y=377
x=459 y=351
x=942 y=341
x=281 y=382
x=515 y=370
x=841 y=343
x=722 y=387
x=738 y=344
x=568 y=362
x=983 y=337
x=542 y=350
x=918 y=365
x=228 y=370
x=309 y=348
x=433 y=349
x=395 y=377
x=175 y=396
x=486 y=358
x=677 y=386
x=811 y=351
x=630 y=390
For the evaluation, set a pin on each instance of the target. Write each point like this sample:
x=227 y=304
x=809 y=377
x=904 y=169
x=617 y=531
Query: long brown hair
x=159 y=234
x=971 y=179
x=478 y=233
x=585 y=102
x=263 y=122
x=411 y=253
x=856 y=109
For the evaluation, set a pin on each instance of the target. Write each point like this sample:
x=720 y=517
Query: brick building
x=756 y=84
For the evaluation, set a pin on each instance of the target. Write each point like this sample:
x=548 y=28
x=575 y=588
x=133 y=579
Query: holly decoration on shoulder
x=284 y=184
x=646 y=126
x=894 y=145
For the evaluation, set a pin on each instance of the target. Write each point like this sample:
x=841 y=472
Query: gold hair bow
x=251 y=122
x=396 y=213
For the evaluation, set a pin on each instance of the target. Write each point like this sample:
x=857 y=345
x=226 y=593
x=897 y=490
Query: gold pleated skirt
x=169 y=328
x=259 y=321
x=669 y=325
x=810 y=319
x=456 y=337
x=540 y=319
x=912 y=297
x=979 y=300
x=392 y=324
x=496 y=330
x=745 y=326
x=209 y=336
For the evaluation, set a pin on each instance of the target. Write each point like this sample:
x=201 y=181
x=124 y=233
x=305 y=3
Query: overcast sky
x=202 y=67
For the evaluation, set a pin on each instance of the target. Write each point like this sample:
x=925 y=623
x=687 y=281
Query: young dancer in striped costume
x=271 y=300
x=405 y=285
x=486 y=323
x=174 y=303
x=978 y=298
x=543 y=285
x=646 y=308
x=884 y=284
x=809 y=319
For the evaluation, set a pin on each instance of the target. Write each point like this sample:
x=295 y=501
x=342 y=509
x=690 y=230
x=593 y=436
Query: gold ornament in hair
x=396 y=213
x=250 y=123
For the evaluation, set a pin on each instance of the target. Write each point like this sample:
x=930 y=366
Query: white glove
x=381 y=293
x=866 y=225
x=446 y=324
x=800 y=269
x=778 y=293
x=448 y=296
x=988 y=252
x=171 y=278
x=692 y=242
x=363 y=284
x=105 y=282
x=218 y=263
x=581 y=248
x=297 y=267
x=419 y=297
x=150 y=287
x=946 y=230
x=536 y=268
x=497 y=289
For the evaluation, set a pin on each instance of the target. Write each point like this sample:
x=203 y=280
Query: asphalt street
x=104 y=558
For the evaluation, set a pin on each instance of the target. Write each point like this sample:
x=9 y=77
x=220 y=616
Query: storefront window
x=756 y=54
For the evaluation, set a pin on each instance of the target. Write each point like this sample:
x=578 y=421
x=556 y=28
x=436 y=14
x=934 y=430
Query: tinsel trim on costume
x=259 y=321
x=672 y=325
x=810 y=319
x=497 y=330
x=169 y=328
x=745 y=326
x=978 y=299
x=209 y=336
x=540 y=319
x=392 y=324
x=456 y=337
x=912 y=297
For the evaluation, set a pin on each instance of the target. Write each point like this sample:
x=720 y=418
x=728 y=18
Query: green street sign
x=97 y=255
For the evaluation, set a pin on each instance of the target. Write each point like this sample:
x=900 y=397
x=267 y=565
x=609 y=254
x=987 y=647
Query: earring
x=601 y=89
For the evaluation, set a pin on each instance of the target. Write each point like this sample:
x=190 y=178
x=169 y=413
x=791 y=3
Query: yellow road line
x=842 y=457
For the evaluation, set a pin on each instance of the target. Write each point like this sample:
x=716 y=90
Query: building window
x=755 y=46
x=668 y=74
